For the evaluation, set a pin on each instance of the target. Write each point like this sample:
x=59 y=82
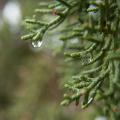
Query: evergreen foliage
x=91 y=40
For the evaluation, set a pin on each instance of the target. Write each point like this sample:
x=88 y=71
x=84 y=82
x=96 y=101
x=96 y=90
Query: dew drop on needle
x=37 y=44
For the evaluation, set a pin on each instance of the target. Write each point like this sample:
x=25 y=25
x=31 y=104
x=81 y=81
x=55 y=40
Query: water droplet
x=86 y=59
x=90 y=60
x=101 y=118
x=95 y=14
x=37 y=44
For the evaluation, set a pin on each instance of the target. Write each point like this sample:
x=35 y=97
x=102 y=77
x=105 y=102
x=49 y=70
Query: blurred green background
x=31 y=78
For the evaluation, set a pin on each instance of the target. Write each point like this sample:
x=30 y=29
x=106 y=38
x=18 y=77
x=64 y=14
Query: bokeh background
x=31 y=79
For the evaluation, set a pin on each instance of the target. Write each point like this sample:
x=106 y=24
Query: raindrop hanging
x=37 y=44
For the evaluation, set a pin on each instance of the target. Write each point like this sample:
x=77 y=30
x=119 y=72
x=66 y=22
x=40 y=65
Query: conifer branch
x=97 y=26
